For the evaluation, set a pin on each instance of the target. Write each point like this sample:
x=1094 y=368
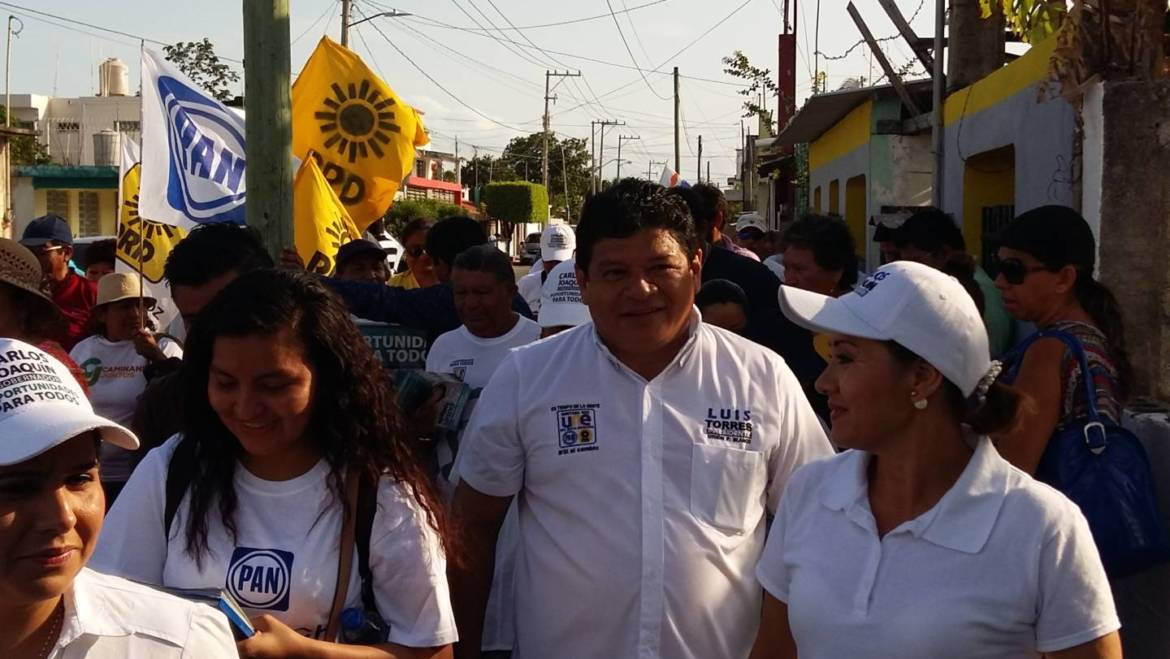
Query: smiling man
x=645 y=447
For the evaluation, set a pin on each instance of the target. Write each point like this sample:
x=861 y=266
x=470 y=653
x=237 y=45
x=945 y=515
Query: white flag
x=192 y=150
x=671 y=178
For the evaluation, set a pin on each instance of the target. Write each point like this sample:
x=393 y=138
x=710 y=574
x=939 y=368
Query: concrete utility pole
x=593 y=156
x=650 y=168
x=699 y=173
x=268 y=122
x=565 y=180
x=677 y=161
x=937 y=143
x=601 y=147
x=345 y=7
x=548 y=75
x=623 y=138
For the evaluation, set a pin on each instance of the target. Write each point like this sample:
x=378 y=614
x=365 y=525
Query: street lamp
x=393 y=13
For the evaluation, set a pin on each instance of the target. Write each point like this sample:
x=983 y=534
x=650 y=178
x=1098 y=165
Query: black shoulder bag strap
x=180 y=472
x=367 y=503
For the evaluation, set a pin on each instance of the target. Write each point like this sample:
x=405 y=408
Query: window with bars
x=57 y=203
x=89 y=214
x=128 y=126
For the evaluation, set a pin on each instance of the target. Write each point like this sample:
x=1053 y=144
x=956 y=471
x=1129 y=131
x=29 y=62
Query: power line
x=893 y=37
x=329 y=10
x=570 y=21
x=631 y=52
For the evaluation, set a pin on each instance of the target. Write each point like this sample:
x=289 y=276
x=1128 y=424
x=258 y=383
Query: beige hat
x=120 y=286
x=19 y=267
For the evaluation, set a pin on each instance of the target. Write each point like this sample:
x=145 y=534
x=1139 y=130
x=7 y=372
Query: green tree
x=197 y=59
x=25 y=150
x=406 y=210
x=573 y=165
x=485 y=169
x=760 y=85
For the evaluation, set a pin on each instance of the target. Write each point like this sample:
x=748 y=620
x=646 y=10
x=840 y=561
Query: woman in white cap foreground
x=113 y=360
x=51 y=510
x=923 y=542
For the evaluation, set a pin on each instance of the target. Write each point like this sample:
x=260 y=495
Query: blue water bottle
x=357 y=628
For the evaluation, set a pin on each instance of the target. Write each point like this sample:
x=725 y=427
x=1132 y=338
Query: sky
x=476 y=67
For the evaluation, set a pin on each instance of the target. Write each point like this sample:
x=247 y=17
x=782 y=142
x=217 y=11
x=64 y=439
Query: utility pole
x=708 y=171
x=565 y=180
x=623 y=138
x=677 y=162
x=593 y=155
x=650 y=167
x=601 y=147
x=268 y=122
x=345 y=7
x=458 y=164
x=475 y=159
x=6 y=224
x=699 y=174
x=937 y=143
x=547 y=76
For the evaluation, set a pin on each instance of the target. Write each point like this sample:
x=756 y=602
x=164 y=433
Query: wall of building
x=29 y=203
x=1006 y=109
x=841 y=155
x=68 y=125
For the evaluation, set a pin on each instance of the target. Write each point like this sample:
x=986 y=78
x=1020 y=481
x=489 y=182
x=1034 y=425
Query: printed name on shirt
x=259 y=578
x=729 y=424
x=576 y=427
x=870 y=283
x=459 y=368
x=94 y=371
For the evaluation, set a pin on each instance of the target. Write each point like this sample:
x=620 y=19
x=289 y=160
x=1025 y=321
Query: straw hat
x=120 y=286
x=20 y=268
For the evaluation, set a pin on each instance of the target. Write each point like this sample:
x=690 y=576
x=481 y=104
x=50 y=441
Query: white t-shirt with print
x=113 y=371
x=284 y=560
x=472 y=359
x=1002 y=566
x=529 y=288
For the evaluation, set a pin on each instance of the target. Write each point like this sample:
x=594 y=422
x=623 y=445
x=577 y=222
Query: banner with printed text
x=362 y=135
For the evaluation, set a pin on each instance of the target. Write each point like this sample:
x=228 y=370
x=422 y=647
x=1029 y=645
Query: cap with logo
x=557 y=243
x=42 y=406
x=922 y=309
x=560 y=298
x=750 y=221
x=47 y=228
x=117 y=286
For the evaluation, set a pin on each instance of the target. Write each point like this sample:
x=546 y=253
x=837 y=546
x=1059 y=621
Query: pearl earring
x=920 y=404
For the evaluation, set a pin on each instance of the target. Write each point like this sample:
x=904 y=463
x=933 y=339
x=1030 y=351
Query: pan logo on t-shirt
x=259 y=578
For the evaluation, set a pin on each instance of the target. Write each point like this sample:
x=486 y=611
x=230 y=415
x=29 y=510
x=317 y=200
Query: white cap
x=557 y=243
x=41 y=406
x=922 y=309
x=750 y=221
x=560 y=298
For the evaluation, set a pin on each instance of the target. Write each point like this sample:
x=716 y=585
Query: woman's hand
x=147 y=346
x=273 y=639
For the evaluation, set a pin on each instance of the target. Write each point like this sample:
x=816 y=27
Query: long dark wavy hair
x=353 y=422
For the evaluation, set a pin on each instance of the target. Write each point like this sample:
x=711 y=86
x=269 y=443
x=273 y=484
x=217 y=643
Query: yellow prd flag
x=142 y=241
x=320 y=223
x=359 y=131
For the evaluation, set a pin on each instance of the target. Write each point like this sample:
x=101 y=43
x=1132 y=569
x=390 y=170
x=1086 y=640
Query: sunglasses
x=1015 y=271
x=415 y=251
x=45 y=249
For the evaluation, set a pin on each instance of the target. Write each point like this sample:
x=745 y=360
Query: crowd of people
x=681 y=435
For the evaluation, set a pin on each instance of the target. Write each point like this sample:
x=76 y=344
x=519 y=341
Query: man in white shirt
x=484 y=285
x=557 y=244
x=646 y=448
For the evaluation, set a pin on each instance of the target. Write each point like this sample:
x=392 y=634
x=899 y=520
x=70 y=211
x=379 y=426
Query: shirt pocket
x=727 y=486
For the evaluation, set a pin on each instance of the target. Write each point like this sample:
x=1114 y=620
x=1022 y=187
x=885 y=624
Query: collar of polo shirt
x=962 y=520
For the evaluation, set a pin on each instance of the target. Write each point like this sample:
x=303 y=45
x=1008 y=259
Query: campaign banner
x=397 y=346
x=321 y=224
x=143 y=245
x=193 y=155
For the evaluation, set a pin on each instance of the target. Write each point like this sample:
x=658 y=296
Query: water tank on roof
x=106 y=148
x=114 y=78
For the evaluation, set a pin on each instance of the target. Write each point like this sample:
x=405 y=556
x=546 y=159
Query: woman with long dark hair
x=1046 y=260
x=287 y=411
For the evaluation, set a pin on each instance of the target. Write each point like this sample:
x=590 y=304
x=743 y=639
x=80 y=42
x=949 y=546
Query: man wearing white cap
x=51 y=510
x=561 y=307
x=922 y=541
x=557 y=244
x=643 y=451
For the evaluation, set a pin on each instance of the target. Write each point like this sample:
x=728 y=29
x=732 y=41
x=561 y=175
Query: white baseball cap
x=41 y=406
x=922 y=309
x=557 y=243
x=750 y=221
x=560 y=298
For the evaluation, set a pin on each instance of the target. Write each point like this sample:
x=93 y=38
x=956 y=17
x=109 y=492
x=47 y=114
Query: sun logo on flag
x=357 y=122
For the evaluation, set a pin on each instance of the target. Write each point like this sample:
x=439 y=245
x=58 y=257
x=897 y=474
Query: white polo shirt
x=641 y=504
x=110 y=618
x=1003 y=566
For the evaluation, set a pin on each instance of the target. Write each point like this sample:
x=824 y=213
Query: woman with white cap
x=113 y=361
x=51 y=511
x=922 y=541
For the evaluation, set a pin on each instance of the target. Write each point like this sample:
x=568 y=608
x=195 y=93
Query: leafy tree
x=486 y=169
x=406 y=210
x=25 y=150
x=760 y=85
x=521 y=161
x=197 y=59
x=1031 y=20
x=450 y=177
x=516 y=202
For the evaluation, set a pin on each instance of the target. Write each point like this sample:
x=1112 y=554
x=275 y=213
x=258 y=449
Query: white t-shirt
x=472 y=359
x=529 y=288
x=111 y=618
x=284 y=560
x=113 y=371
x=1002 y=566
x=641 y=504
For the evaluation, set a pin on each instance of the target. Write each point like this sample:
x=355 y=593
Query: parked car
x=530 y=252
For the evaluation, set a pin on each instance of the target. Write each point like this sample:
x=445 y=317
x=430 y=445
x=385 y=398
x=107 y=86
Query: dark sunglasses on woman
x=1015 y=271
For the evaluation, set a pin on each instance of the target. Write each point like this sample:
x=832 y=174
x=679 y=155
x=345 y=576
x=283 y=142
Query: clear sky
x=477 y=66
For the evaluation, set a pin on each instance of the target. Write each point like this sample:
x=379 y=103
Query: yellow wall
x=107 y=209
x=855 y=211
x=989 y=179
x=848 y=134
x=817 y=200
x=1008 y=81
x=835 y=196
